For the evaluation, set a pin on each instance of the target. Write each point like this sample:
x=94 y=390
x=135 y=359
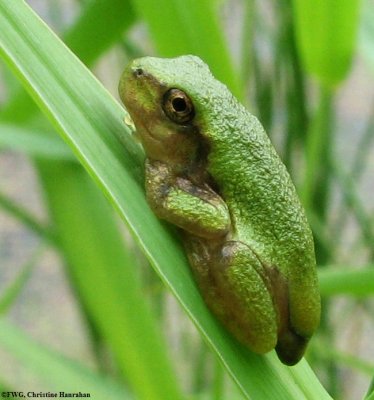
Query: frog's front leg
x=197 y=210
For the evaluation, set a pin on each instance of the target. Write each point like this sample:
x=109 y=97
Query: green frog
x=212 y=171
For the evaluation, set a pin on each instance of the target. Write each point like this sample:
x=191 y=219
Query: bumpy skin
x=220 y=180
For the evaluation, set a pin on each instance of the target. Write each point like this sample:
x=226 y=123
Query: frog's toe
x=291 y=347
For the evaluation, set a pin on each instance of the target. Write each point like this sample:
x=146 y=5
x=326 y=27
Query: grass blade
x=96 y=259
x=343 y=280
x=326 y=33
x=34 y=143
x=11 y=293
x=88 y=39
x=105 y=276
x=92 y=123
x=57 y=372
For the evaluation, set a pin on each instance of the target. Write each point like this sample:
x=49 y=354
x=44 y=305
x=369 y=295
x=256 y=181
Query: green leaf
x=370 y=396
x=370 y=393
x=98 y=263
x=57 y=372
x=100 y=23
x=34 y=143
x=92 y=123
x=326 y=32
x=345 y=280
x=367 y=34
x=105 y=275
x=4 y=387
x=349 y=361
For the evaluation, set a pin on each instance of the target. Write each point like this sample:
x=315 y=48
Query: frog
x=212 y=171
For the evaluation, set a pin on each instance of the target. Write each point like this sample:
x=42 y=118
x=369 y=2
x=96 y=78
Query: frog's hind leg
x=298 y=303
x=235 y=287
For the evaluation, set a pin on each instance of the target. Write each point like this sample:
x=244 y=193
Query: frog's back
x=266 y=213
x=255 y=184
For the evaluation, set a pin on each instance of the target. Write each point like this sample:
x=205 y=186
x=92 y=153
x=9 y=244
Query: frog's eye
x=178 y=106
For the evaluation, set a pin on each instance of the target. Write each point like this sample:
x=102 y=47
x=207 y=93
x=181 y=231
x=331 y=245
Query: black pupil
x=179 y=104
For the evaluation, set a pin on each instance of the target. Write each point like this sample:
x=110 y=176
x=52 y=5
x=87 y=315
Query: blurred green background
x=82 y=309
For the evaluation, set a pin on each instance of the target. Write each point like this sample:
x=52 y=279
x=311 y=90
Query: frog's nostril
x=138 y=72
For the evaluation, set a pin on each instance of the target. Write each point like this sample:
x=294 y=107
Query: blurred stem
x=330 y=367
x=320 y=233
x=370 y=395
x=314 y=191
x=370 y=392
x=14 y=289
x=352 y=200
x=297 y=116
x=130 y=48
x=347 y=360
x=363 y=148
x=4 y=387
x=26 y=218
x=247 y=41
x=262 y=92
x=362 y=154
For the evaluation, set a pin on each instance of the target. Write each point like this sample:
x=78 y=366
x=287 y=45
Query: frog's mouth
x=152 y=136
x=135 y=128
x=144 y=132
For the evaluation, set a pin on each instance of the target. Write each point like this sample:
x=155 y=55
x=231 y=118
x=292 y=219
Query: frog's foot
x=291 y=341
x=291 y=347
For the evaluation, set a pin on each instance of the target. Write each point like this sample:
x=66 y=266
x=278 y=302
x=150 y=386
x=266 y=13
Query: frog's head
x=167 y=99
